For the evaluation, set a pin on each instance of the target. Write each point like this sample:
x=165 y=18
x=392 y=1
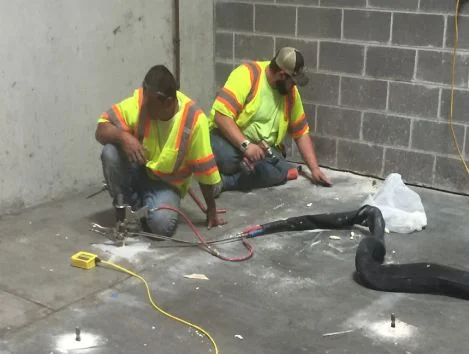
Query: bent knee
x=110 y=153
x=162 y=222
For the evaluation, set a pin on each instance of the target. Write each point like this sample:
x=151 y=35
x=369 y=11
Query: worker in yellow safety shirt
x=257 y=106
x=154 y=142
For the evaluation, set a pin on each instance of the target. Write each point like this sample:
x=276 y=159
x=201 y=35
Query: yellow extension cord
x=187 y=323
x=456 y=39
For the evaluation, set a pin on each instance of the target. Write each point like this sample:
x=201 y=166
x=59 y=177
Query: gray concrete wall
x=62 y=63
x=378 y=100
x=197 y=51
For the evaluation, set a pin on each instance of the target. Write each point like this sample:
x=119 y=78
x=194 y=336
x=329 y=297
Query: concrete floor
x=296 y=288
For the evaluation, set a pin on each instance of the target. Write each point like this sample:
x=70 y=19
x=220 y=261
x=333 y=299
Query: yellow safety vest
x=187 y=150
x=239 y=100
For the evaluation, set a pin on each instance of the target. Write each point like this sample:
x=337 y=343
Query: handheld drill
x=268 y=154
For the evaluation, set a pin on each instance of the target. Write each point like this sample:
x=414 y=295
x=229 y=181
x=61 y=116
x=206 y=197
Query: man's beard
x=281 y=86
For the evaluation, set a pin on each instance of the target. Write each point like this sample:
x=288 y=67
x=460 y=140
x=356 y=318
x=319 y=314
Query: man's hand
x=132 y=148
x=254 y=152
x=320 y=177
x=213 y=219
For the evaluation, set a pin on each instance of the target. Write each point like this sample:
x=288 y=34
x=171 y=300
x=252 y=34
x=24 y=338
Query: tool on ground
x=393 y=320
x=150 y=298
x=115 y=234
x=103 y=188
x=129 y=221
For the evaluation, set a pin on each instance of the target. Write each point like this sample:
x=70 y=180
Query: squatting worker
x=258 y=105
x=154 y=141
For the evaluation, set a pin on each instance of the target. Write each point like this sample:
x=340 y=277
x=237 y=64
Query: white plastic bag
x=401 y=207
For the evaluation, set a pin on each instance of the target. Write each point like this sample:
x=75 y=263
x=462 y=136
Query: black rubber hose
x=408 y=278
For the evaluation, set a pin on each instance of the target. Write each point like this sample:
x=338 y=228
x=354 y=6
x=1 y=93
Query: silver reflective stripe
x=205 y=166
x=299 y=127
x=186 y=134
x=113 y=117
x=141 y=125
x=256 y=75
x=228 y=98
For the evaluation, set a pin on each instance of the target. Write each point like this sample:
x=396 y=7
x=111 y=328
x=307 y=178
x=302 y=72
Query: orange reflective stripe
x=143 y=124
x=298 y=122
x=115 y=116
x=301 y=132
x=140 y=98
x=228 y=98
x=147 y=128
x=255 y=74
x=206 y=172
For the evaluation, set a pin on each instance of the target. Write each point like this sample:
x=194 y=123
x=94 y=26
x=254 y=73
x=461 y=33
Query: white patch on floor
x=128 y=251
x=270 y=245
x=375 y=322
x=383 y=330
x=67 y=343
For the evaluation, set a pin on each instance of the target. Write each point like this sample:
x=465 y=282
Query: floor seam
x=8 y=291
x=54 y=311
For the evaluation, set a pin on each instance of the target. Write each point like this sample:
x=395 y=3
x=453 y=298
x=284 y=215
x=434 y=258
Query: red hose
x=209 y=248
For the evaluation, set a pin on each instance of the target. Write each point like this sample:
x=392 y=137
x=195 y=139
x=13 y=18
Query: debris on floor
x=279 y=206
x=337 y=333
x=196 y=276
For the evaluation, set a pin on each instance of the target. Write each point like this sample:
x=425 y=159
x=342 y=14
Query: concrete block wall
x=378 y=101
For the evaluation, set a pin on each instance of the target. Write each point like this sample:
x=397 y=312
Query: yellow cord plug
x=84 y=260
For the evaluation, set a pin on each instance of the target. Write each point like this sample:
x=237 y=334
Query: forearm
x=229 y=129
x=207 y=192
x=107 y=133
x=306 y=148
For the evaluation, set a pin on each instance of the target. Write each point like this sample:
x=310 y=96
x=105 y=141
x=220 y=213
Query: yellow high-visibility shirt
x=241 y=98
x=186 y=151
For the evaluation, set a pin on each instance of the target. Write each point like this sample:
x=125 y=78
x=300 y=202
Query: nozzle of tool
x=77 y=334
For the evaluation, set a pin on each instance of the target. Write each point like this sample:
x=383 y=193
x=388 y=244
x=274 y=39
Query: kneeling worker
x=154 y=141
x=249 y=120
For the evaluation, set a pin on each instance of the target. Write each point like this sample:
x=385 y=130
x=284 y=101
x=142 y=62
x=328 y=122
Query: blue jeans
x=267 y=173
x=138 y=189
